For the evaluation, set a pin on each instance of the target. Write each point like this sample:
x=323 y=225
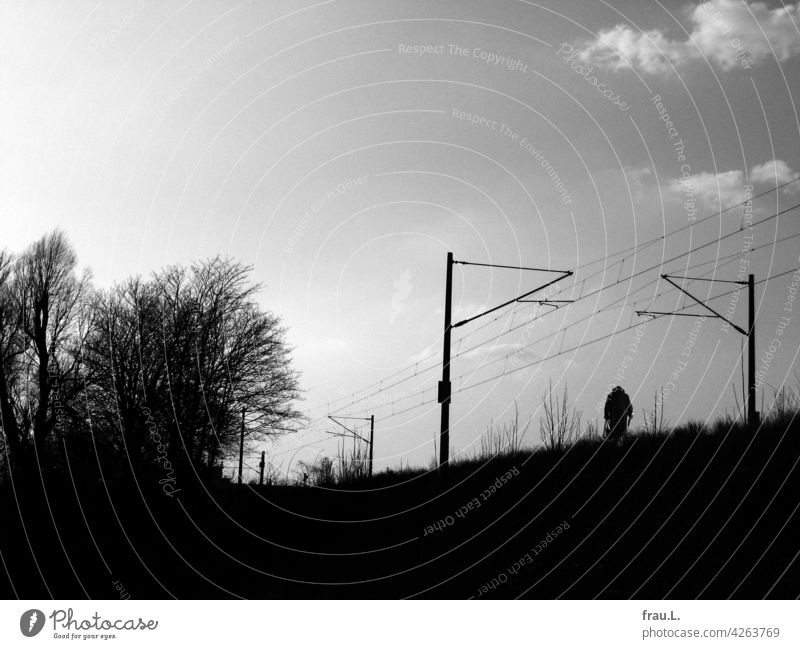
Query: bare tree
x=182 y=355
x=11 y=351
x=42 y=327
x=160 y=368
x=124 y=359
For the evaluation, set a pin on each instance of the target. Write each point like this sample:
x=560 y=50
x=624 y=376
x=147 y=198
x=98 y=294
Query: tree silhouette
x=178 y=357
x=148 y=371
x=43 y=321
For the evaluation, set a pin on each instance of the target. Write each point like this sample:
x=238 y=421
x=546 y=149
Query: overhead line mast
x=749 y=333
x=445 y=387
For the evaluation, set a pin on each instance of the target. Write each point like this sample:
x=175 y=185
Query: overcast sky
x=343 y=148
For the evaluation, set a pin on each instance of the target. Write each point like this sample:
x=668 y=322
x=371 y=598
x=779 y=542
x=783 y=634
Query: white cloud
x=720 y=189
x=727 y=187
x=639 y=176
x=731 y=31
x=727 y=32
x=640 y=182
x=775 y=172
x=624 y=47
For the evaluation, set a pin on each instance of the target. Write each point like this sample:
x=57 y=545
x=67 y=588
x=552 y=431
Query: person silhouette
x=618 y=414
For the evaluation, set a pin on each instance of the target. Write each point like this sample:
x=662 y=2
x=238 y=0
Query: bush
x=560 y=425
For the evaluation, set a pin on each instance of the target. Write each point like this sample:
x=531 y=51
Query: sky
x=342 y=148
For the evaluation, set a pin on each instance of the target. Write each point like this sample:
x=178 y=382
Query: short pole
x=371 y=439
x=241 y=449
x=444 y=384
x=261 y=466
x=752 y=414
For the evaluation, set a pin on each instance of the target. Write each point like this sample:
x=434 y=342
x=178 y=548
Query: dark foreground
x=684 y=516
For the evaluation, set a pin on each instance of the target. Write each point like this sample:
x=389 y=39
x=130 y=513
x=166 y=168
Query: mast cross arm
x=705 y=306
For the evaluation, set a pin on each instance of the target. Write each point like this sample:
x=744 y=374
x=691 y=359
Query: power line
x=613 y=333
x=635 y=247
x=563 y=330
x=560 y=353
x=417 y=372
x=591 y=315
x=591 y=293
x=632 y=276
x=688 y=226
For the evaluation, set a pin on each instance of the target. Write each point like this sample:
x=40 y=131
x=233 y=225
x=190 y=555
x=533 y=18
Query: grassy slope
x=684 y=515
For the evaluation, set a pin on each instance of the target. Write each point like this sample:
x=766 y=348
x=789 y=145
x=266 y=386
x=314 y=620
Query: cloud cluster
x=722 y=189
x=726 y=32
x=775 y=172
x=728 y=187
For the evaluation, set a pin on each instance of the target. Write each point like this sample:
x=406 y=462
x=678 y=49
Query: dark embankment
x=682 y=516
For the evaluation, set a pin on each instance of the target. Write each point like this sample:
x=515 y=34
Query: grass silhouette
x=696 y=511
